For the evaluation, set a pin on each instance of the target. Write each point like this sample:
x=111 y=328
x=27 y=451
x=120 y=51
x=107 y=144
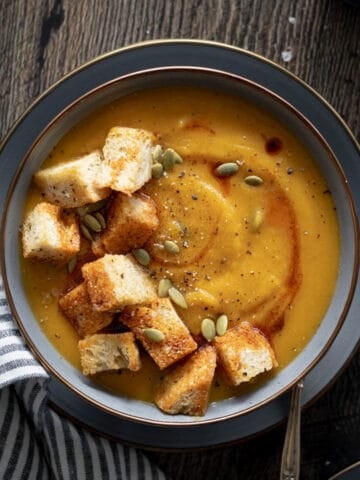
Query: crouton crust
x=108 y=351
x=127 y=159
x=76 y=306
x=130 y=222
x=243 y=353
x=49 y=234
x=73 y=183
x=186 y=388
x=161 y=315
x=115 y=281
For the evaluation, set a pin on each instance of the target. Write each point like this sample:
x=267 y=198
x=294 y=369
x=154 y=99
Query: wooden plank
x=53 y=37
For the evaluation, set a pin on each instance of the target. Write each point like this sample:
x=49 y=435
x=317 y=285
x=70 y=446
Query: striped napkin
x=38 y=444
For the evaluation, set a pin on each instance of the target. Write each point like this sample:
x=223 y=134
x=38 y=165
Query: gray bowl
x=330 y=167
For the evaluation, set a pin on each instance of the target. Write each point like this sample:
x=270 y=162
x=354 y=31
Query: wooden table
x=319 y=41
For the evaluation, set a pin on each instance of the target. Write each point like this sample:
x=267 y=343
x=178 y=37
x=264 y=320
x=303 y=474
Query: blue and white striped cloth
x=38 y=444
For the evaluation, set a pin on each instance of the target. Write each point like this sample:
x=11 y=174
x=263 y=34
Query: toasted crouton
x=243 y=353
x=109 y=351
x=76 y=306
x=127 y=159
x=115 y=281
x=162 y=316
x=186 y=388
x=130 y=222
x=48 y=234
x=74 y=183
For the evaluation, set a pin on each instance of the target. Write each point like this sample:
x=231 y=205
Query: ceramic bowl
x=305 y=132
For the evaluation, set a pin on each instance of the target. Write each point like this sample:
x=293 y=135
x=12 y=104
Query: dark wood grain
x=41 y=40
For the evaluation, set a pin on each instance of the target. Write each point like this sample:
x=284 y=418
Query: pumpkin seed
x=208 y=329
x=86 y=233
x=154 y=334
x=82 y=211
x=92 y=223
x=258 y=219
x=157 y=170
x=72 y=264
x=171 y=246
x=169 y=158
x=96 y=206
x=226 y=169
x=142 y=256
x=178 y=159
x=222 y=324
x=177 y=297
x=163 y=287
x=100 y=218
x=157 y=153
x=253 y=180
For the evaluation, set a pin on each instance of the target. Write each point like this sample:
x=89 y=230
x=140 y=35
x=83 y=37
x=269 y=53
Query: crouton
x=186 y=388
x=127 y=159
x=49 y=234
x=76 y=306
x=160 y=315
x=74 y=183
x=115 y=281
x=130 y=222
x=109 y=351
x=243 y=353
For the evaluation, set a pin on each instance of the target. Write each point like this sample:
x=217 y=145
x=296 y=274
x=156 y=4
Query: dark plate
x=269 y=75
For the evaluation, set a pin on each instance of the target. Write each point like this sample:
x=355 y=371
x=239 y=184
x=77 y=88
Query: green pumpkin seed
x=82 y=211
x=208 y=329
x=157 y=153
x=100 y=218
x=169 y=158
x=91 y=207
x=177 y=297
x=222 y=324
x=171 y=246
x=227 y=169
x=257 y=220
x=154 y=334
x=157 y=170
x=72 y=264
x=253 y=180
x=178 y=159
x=163 y=287
x=142 y=256
x=92 y=223
x=86 y=233
x=96 y=206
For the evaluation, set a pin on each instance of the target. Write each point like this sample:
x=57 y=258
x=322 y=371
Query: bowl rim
x=178 y=41
x=156 y=70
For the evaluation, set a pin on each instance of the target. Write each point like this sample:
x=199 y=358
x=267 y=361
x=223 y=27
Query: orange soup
x=254 y=245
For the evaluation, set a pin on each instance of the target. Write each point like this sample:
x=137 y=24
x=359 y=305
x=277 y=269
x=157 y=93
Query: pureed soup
x=254 y=245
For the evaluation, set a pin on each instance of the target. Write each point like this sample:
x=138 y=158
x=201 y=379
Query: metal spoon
x=290 y=460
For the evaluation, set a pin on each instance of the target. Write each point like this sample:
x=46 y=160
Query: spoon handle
x=290 y=461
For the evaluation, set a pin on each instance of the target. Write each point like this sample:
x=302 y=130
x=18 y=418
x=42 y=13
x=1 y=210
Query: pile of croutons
x=117 y=286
